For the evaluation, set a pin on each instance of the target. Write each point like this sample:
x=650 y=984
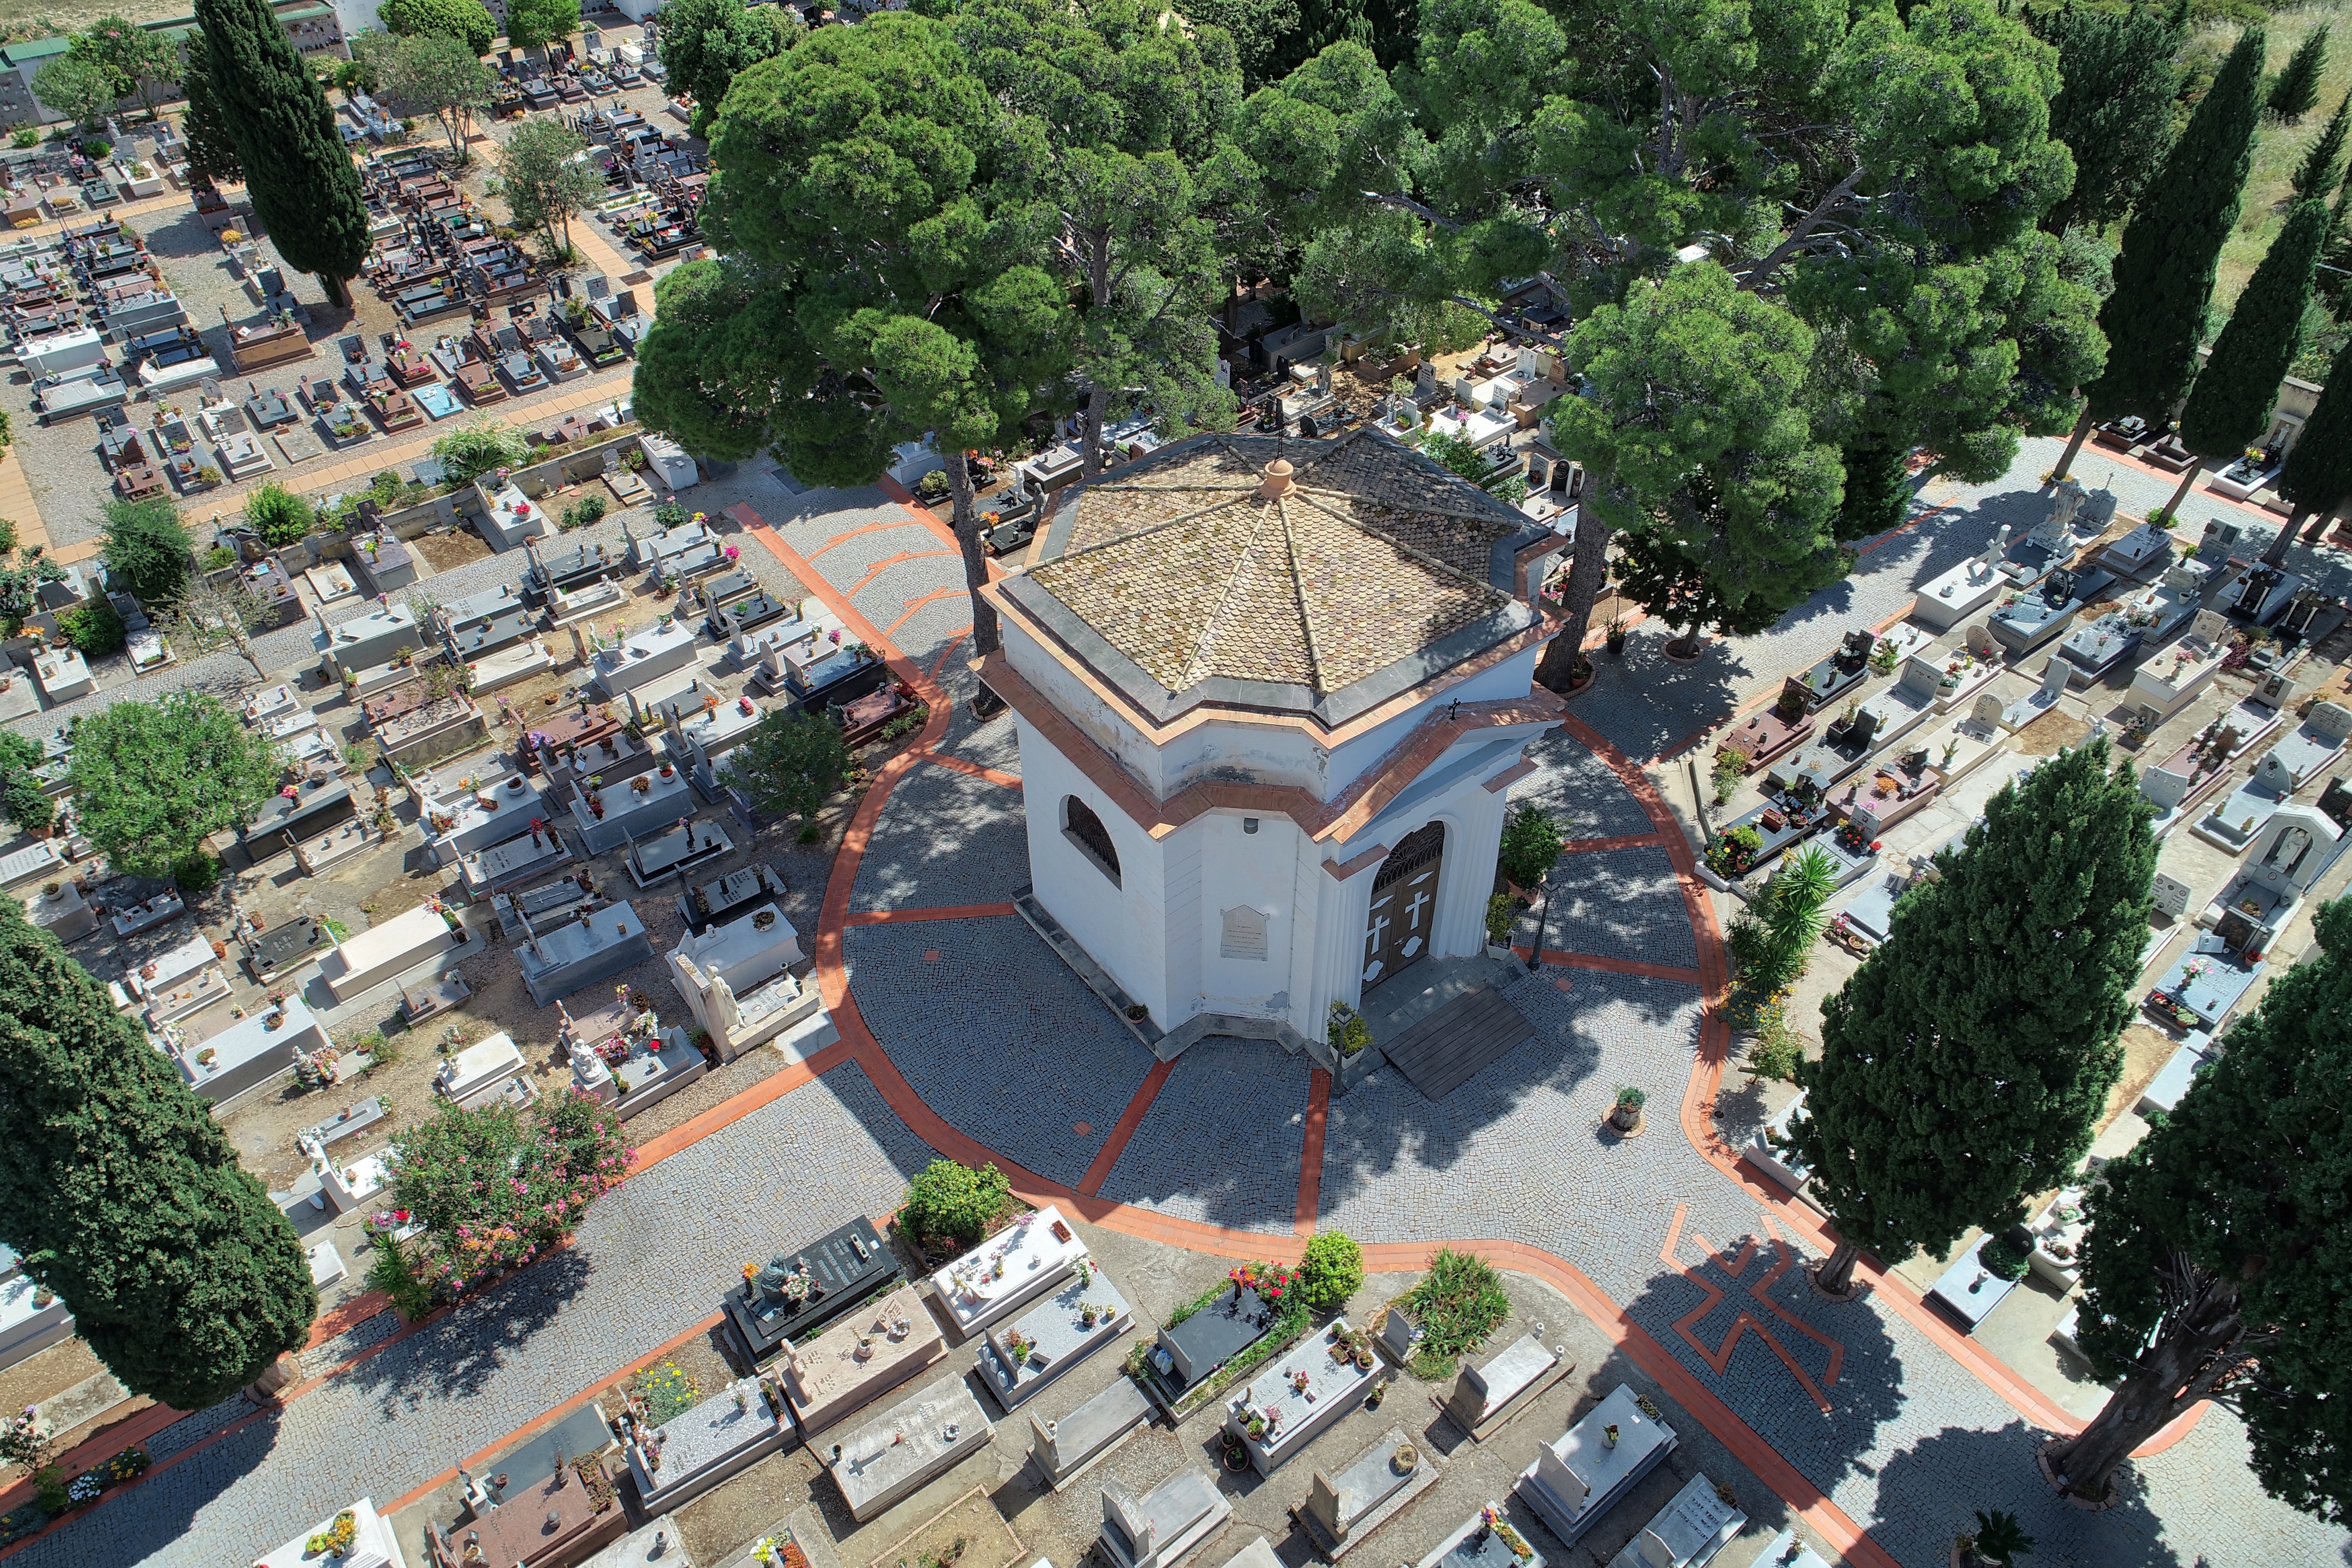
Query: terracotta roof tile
x=1179 y=564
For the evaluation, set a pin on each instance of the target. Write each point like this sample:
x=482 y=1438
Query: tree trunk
x=2188 y=481
x=1836 y=1274
x=964 y=519
x=339 y=291
x=1098 y=407
x=2073 y=444
x=1587 y=569
x=2319 y=526
x=2198 y=1350
x=2274 y=554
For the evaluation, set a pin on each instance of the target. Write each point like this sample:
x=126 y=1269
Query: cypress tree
x=1964 y=1064
x=2316 y=175
x=303 y=186
x=2296 y=88
x=2318 y=473
x=2114 y=111
x=124 y=1195
x=2171 y=250
x=2215 y=1263
x=2230 y=406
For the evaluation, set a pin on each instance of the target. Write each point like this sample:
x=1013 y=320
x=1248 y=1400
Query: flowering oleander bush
x=493 y=1190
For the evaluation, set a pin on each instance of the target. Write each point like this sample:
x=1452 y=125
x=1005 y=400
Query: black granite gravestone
x=284 y=947
x=737 y=893
x=1210 y=1338
x=796 y=1293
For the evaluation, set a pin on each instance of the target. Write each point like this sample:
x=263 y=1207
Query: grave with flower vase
x=736 y=978
x=41 y=859
x=620 y=810
x=1344 y=1509
x=1697 y=1522
x=484 y=623
x=297 y=810
x=472 y=805
x=1840 y=673
x=708 y=729
x=1024 y=1358
x=1887 y=793
x=1485 y=1399
x=1159 y=1528
x=756 y=627
x=611 y=762
x=678 y=850
x=516 y=662
x=64 y=914
x=482 y=1072
x=734 y=613
x=272 y=953
x=826 y=1379
x=574 y=609
x=2285 y=768
x=2179 y=784
x=1063 y=1450
x=647 y=550
x=906 y=1448
x=179 y=983
x=1020 y=1263
x=2150 y=616
x=18 y=697
x=1287 y=1405
x=684 y=566
x=736 y=894
x=864 y=719
x=2205 y=985
x=367 y=959
x=127 y=915
x=32 y=1316
x=1792 y=813
x=1591 y=1466
x=357 y=1537
x=571 y=954
x=1945 y=601
x=634 y=1070
x=399 y=705
x=553 y=732
x=548 y=1524
x=796 y=1293
x=1484 y=1540
x=544 y=903
x=2258 y=595
x=510 y=517
x=380 y=637
x=2143 y=552
x=730 y=587
x=2058 y=1233
x=2171 y=679
x=553 y=571
x=818 y=673
x=2292 y=848
x=523 y=858
x=251 y=1052
x=638 y=659
x=2035 y=615
x=723 y=1436
x=1764 y=737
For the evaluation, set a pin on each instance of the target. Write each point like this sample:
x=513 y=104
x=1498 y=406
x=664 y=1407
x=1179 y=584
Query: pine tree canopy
x=124 y=1195
x=2114 y=112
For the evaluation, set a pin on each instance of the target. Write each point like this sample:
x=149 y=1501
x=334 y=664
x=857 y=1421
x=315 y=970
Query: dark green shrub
x=1531 y=845
x=94 y=629
x=277 y=515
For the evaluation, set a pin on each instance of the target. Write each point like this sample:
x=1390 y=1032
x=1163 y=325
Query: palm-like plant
x=2000 y=1539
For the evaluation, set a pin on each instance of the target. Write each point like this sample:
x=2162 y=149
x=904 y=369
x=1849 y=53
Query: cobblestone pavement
x=999 y=1040
x=653 y=1256
x=1222 y=1140
x=1614 y=903
x=999 y=1037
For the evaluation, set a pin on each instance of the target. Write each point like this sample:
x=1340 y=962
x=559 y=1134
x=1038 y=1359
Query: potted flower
x=1616 y=633
x=1626 y=1115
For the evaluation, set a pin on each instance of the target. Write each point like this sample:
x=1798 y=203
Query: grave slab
x=373 y=1544
x=677 y=851
x=901 y=1451
x=476 y=1074
x=1686 y=1533
x=28 y=1326
x=843 y=1270
x=1967 y=1291
x=720 y=1438
x=580 y=953
x=734 y=895
x=1157 y=1530
x=827 y=1379
x=1292 y=1415
x=368 y=958
x=1765 y=1152
x=1343 y=1509
x=251 y=1052
x=643 y=656
x=1063 y=1450
x=511 y=665
x=1485 y=1399
x=1477 y=1544
x=284 y=948
x=610 y=816
x=1203 y=1342
x=1023 y=1359
x=64 y=914
x=1583 y=1474
x=1008 y=1270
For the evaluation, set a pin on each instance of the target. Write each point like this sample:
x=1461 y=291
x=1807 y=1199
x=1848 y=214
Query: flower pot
x=514 y=786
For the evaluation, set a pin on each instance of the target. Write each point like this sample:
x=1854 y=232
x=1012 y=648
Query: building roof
x=1319 y=577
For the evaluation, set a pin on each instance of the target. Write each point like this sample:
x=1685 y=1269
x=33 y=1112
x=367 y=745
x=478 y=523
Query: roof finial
x=1277 y=480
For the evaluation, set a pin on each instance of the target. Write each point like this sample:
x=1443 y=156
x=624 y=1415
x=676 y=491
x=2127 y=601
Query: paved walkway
x=1879 y=1428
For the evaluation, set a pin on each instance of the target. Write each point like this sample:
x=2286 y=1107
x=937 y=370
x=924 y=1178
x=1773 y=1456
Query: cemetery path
x=964 y=1035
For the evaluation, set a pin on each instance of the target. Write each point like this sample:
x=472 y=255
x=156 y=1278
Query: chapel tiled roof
x=1374 y=556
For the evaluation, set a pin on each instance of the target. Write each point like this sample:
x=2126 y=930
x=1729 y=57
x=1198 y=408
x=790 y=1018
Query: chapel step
x=1446 y=1049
